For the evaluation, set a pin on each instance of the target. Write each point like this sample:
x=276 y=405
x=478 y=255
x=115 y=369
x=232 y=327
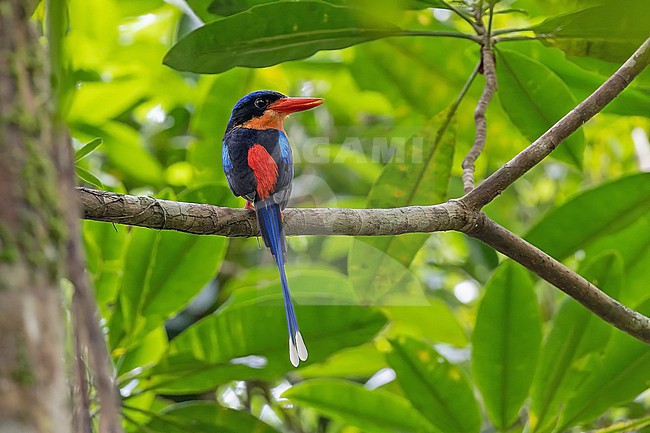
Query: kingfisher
x=258 y=163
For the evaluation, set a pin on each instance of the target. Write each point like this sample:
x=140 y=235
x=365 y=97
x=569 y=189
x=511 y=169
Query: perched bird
x=258 y=163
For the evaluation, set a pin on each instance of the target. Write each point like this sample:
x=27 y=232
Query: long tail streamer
x=269 y=218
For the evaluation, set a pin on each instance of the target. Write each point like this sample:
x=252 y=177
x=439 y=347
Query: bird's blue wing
x=285 y=171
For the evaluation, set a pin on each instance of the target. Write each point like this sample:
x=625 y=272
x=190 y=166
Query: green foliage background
x=455 y=338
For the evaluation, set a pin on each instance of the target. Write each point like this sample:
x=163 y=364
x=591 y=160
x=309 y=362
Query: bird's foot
x=249 y=206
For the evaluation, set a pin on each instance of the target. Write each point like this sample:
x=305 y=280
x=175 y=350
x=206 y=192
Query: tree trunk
x=33 y=234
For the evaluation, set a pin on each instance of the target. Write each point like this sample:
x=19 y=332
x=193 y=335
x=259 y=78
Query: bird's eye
x=261 y=103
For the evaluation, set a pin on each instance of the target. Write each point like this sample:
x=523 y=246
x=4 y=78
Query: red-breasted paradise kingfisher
x=258 y=163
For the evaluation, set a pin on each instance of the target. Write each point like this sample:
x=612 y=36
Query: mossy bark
x=33 y=234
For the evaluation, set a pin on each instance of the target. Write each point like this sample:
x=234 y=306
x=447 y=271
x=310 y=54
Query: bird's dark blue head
x=252 y=105
x=267 y=108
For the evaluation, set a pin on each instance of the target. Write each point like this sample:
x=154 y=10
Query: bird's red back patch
x=264 y=168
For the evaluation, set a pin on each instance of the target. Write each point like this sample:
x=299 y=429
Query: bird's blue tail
x=269 y=218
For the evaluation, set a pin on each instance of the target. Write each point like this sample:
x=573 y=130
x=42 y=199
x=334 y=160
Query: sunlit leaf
x=273 y=33
x=88 y=177
x=619 y=376
x=87 y=148
x=429 y=381
x=374 y=411
x=506 y=342
x=534 y=99
x=611 y=30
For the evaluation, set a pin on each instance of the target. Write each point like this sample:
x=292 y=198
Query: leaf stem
x=438 y=33
x=511 y=30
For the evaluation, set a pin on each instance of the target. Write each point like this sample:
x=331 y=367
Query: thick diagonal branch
x=561 y=277
x=544 y=145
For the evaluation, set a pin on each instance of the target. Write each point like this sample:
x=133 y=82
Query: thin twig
x=489 y=70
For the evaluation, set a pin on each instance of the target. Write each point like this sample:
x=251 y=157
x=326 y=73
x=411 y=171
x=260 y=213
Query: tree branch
x=205 y=219
x=544 y=145
x=560 y=276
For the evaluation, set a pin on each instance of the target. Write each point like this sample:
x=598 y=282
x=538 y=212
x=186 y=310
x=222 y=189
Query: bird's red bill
x=293 y=105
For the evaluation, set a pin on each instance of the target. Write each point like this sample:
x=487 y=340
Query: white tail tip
x=293 y=353
x=298 y=351
x=302 y=349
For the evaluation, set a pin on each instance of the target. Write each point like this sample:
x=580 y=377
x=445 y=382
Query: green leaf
x=506 y=343
x=619 y=376
x=591 y=215
x=420 y=176
x=611 y=31
x=244 y=340
x=88 y=177
x=582 y=82
x=433 y=322
x=273 y=33
x=87 y=148
x=576 y=334
x=164 y=271
x=205 y=417
x=374 y=411
x=534 y=99
x=428 y=380
x=633 y=244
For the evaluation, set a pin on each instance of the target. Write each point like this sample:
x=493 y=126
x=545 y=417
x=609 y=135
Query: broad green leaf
x=273 y=33
x=583 y=82
x=164 y=271
x=360 y=361
x=376 y=411
x=633 y=244
x=576 y=334
x=506 y=343
x=226 y=8
x=591 y=215
x=379 y=279
x=419 y=177
x=249 y=341
x=88 y=177
x=610 y=31
x=430 y=381
x=433 y=322
x=619 y=376
x=534 y=98
x=205 y=417
x=147 y=353
x=403 y=69
x=87 y=148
